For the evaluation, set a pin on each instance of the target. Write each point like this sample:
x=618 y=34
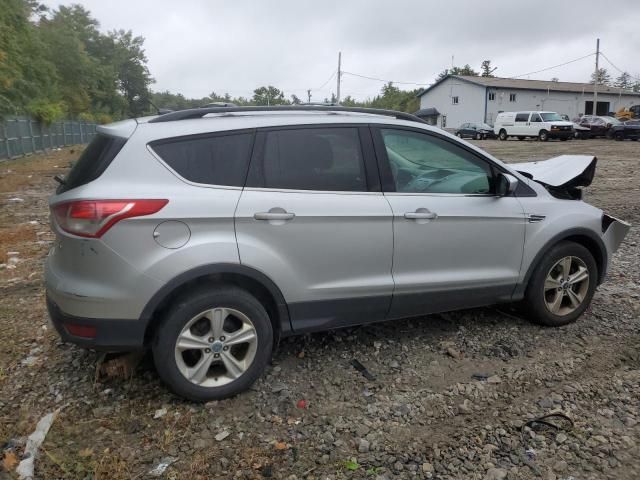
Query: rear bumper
x=105 y=334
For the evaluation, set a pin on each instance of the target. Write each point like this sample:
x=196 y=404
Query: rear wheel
x=562 y=285
x=543 y=136
x=502 y=135
x=459 y=135
x=213 y=343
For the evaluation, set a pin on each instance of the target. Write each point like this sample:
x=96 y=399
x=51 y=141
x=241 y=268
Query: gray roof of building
x=521 y=84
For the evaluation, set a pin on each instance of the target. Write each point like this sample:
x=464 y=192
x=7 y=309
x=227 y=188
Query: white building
x=458 y=99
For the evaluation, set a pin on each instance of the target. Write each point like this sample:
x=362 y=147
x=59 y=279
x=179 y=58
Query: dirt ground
x=424 y=415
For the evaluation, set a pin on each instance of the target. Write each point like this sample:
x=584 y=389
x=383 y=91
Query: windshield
x=612 y=120
x=486 y=126
x=551 y=117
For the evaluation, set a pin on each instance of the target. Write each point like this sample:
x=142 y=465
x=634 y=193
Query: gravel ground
x=424 y=415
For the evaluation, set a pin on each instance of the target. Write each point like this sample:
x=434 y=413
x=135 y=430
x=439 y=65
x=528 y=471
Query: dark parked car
x=629 y=129
x=598 y=126
x=477 y=131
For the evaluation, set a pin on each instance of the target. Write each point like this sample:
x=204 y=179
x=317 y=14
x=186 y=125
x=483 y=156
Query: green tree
x=602 y=77
x=486 y=69
x=463 y=71
x=623 y=81
x=269 y=96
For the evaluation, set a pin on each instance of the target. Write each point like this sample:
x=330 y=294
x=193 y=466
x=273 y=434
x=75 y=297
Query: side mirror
x=507 y=184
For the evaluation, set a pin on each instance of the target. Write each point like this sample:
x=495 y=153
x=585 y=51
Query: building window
x=492 y=95
x=512 y=97
x=454 y=100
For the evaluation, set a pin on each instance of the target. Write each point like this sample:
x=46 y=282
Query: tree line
x=56 y=63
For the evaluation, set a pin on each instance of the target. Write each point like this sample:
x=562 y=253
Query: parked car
x=599 y=126
x=542 y=125
x=477 y=131
x=208 y=234
x=626 y=130
x=581 y=132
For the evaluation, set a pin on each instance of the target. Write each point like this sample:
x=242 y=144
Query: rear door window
x=208 y=159
x=522 y=117
x=93 y=161
x=322 y=159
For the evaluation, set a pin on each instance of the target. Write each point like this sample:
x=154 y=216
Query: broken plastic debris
x=363 y=370
x=161 y=412
x=25 y=468
x=159 y=469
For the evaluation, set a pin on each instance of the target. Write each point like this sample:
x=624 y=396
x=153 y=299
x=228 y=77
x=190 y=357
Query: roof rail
x=201 y=112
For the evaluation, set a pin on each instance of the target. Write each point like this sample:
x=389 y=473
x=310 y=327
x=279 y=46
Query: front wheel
x=478 y=136
x=502 y=135
x=213 y=343
x=543 y=136
x=562 y=285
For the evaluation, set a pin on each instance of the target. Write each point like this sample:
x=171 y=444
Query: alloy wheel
x=566 y=285
x=216 y=347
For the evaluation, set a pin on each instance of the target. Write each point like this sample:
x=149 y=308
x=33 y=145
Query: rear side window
x=212 y=160
x=326 y=159
x=93 y=162
x=522 y=117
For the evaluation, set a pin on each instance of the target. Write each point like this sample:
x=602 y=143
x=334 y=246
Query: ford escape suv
x=208 y=234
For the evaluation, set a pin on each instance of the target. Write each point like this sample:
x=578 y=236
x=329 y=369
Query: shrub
x=86 y=117
x=46 y=112
x=103 y=118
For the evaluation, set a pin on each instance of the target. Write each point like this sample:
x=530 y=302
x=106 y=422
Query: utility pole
x=309 y=96
x=339 y=75
x=595 y=80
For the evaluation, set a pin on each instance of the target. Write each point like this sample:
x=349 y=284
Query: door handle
x=273 y=216
x=421 y=215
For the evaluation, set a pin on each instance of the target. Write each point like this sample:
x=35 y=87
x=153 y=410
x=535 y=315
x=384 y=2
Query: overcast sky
x=198 y=46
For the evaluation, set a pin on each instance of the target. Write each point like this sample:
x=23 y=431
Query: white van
x=544 y=125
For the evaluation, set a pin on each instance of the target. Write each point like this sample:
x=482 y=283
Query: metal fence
x=21 y=136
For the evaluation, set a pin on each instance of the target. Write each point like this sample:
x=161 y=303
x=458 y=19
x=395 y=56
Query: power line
x=325 y=83
x=545 y=69
x=385 y=81
x=618 y=69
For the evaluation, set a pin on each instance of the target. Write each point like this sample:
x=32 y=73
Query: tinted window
x=93 y=162
x=522 y=117
x=313 y=159
x=214 y=160
x=535 y=117
x=422 y=163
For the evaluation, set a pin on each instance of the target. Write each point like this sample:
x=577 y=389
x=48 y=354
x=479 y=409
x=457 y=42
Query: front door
x=521 y=125
x=456 y=244
x=312 y=217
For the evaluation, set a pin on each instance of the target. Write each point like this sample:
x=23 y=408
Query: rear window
x=522 y=117
x=93 y=162
x=212 y=160
x=324 y=159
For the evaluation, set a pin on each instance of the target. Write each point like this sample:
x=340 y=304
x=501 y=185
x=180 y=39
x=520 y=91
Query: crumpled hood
x=562 y=171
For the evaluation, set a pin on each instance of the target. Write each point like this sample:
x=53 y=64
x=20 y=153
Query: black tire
x=187 y=307
x=478 y=136
x=543 y=136
x=534 y=305
x=619 y=136
x=503 y=135
x=521 y=138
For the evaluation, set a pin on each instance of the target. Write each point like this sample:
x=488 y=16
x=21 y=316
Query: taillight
x=92 y=218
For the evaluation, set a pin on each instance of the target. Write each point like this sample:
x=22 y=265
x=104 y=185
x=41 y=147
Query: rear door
x=456 y=244
x=521 y=125
x=312 y=218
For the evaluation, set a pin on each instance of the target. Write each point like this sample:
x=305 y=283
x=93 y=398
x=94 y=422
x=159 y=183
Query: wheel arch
x=250 y=279
x=582 y=236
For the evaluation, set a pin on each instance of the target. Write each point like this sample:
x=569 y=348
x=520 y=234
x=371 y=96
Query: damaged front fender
x=613 y=232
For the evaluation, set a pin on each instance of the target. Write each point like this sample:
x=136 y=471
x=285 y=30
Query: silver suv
x=208 y=234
